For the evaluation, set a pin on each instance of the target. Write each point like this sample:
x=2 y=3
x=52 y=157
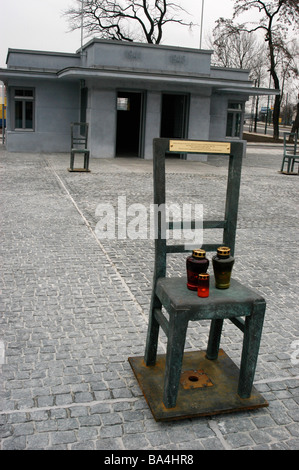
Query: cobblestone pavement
x=74 y=308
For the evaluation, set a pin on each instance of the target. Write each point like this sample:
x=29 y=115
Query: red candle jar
x=203 y=289
x=196 y=263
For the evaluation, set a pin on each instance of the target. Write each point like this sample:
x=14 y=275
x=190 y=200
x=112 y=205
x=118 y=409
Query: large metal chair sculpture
x=173 y=306
x=79 y=141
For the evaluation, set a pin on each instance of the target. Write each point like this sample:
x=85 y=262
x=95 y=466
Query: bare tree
x=237 y=49
x=287 y=64
x=126 y=20
x=276 y=19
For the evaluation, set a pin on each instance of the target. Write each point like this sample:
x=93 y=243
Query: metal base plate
x=206 y=387
x=289 y=173
x=81 y=170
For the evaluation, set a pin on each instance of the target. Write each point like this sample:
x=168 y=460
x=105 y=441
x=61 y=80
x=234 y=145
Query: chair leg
x=174 y=358
x=214 y=339
x=251 y=345
x=72 y=160
x=86 y=161
x=152 y=336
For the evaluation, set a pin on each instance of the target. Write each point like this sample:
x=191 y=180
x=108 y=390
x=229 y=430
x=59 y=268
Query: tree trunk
x=276 y=113
x=295 y=125
x=273 y=73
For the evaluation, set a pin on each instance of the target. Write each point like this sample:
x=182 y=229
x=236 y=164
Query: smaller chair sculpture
x=290 y=153
x=79 y=139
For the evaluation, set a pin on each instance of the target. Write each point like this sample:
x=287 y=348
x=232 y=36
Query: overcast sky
x=41 y=25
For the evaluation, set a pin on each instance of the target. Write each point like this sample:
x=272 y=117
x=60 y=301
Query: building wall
x=218 y=113
x=102 y=118
x=56 y=106
x=218 y=116
x=199 y=121
x=152 y=120
x=101 y=115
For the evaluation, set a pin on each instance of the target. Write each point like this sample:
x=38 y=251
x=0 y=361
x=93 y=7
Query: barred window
x=234 y=119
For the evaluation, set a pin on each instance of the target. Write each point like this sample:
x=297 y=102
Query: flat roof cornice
x=25 y=73
x=194 y=81
x=221 y=85
x=142 y=45
x=77 y=73
x=34 y=52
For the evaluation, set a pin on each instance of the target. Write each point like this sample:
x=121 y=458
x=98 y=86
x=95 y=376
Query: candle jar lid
x=198 y=253
x=203 y=276
x=223 y=251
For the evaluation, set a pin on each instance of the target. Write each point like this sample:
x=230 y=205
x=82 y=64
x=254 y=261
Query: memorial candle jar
x=203 y=289
x=222 y=265
x=196 y=264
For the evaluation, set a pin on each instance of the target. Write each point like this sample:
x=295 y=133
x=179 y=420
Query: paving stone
x=239 y=440
x=37 y=441
x=63 y=437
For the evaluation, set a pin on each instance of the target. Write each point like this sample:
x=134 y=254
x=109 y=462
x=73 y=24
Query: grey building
x=129 y=93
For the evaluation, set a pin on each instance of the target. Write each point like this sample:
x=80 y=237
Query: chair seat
x=236 y=301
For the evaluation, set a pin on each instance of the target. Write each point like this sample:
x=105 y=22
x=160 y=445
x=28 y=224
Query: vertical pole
x=82 y=25
x=256 y=114
x=286 y=110
x=201 y=23
x=268 y=104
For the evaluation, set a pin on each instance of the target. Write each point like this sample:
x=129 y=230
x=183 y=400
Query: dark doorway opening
x=83 y=104
x=129 y=124
x=174 y=117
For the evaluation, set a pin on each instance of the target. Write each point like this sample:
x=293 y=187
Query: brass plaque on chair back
x=197 y=146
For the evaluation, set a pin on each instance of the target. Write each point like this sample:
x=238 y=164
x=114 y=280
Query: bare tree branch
x=126 y=20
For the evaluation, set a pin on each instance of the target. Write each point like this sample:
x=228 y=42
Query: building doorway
x=130 y=124
x=174 y=117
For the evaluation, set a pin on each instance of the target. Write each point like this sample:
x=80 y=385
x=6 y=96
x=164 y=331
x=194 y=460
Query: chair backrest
x=290 y=143
x=79 y=135
x=230 y=149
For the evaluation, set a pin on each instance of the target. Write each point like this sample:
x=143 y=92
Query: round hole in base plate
x=193 y=378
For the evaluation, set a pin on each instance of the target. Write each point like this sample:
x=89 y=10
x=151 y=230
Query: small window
x=234 y=119
x=235 y=106
x=23 y=92
x=23 y=109
x=123 y=104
